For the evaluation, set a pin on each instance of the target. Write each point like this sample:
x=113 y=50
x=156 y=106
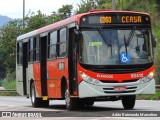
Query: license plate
x=120 y=88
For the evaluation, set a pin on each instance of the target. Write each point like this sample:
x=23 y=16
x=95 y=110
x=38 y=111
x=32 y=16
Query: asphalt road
x=100 y=110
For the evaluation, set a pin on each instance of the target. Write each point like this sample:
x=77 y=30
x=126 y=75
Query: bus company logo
x=104 y=76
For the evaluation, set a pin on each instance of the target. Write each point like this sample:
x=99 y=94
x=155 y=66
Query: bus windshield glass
x=115 y=46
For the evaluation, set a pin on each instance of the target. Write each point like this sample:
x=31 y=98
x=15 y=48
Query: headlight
x=151 y=74
x=89 y=79
x=147 y=78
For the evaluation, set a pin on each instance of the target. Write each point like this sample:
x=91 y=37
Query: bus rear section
x=94 y=56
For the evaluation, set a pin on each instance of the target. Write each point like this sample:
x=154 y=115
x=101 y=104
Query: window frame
x=52 y=45
x=60 y=42
x=31 y=50
x=36 y=47
x=19 y=53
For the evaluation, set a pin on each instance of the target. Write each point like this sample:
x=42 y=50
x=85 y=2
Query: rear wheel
x=128 y=101
x=37 y=102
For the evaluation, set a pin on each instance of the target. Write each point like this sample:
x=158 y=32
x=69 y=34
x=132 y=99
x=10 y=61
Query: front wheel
x=71 y=103
x=89 y=103
x=128 y=101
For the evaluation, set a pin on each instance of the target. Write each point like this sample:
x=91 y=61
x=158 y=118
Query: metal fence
x=158 y=88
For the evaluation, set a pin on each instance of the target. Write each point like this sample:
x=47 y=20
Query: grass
x=149 y=97
x=9 y=94
x=10 y=84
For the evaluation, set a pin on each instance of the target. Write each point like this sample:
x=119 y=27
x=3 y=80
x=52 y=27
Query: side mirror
x=154 y=41
x=77 y=34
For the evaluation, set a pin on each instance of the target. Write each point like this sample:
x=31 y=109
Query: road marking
x=5 y=107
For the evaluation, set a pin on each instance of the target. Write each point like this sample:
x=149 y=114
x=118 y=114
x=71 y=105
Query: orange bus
x=95 y=56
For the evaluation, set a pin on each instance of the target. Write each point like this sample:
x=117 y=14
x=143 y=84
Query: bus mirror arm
x=77 y=38
x=154 y=41
x=77 y=35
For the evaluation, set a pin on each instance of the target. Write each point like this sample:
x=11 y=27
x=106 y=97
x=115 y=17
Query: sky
x=14 y=8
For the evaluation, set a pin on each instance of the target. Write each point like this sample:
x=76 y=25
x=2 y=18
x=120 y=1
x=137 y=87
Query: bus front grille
x=129 y=89
x=115 y=81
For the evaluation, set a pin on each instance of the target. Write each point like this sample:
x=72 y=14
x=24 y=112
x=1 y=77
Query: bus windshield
x=115 y=46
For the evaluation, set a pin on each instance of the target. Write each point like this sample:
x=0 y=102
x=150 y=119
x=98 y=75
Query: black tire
x=71 y=103
x=89 y=103
x=129 y=101
x=45 y=103
x=37 y=102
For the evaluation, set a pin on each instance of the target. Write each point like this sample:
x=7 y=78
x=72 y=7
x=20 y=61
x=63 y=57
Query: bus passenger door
x=43 y=65
x=25 y=66
x=72 y=63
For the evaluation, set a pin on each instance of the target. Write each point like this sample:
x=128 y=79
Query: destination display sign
x=115 y=19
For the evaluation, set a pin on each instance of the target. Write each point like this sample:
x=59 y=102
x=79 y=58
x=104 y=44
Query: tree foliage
x=65 y=11
x=87 y=5
x=34 y=21
x=15 y=28
x=8 y=43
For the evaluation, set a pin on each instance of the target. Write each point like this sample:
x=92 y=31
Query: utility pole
x=113 y=4
x=23 y=12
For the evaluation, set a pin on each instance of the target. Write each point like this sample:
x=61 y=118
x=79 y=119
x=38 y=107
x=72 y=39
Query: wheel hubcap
x=33 y=95
x=67 y=98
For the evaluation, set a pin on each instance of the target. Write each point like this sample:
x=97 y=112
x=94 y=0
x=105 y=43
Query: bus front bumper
x=107 y=89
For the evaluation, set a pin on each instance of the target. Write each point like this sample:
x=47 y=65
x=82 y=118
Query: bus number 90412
x=137 y=75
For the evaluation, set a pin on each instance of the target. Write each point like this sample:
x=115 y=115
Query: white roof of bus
x=25 y=36
x=47 y=28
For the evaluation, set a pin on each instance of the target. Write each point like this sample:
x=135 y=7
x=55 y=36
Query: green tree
x=10 y=32
x=65 y=11
x=62 y=13
x=87 y=5
x=54 y=17
x=34 y=21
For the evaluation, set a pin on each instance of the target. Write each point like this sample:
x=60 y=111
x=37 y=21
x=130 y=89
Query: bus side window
x=52 y=43
x=31 y=50
x=19 y=53
x=62 y=42
x=36 y=49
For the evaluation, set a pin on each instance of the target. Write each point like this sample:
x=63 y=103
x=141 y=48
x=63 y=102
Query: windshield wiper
x=125 y=43
x=131 y=34
x=103 y=37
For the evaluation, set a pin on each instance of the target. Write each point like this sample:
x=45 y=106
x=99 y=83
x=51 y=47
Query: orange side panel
x=54 y=88
x=54 y=77
x=52 y=69
x=38 y=87
x=36 y=73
